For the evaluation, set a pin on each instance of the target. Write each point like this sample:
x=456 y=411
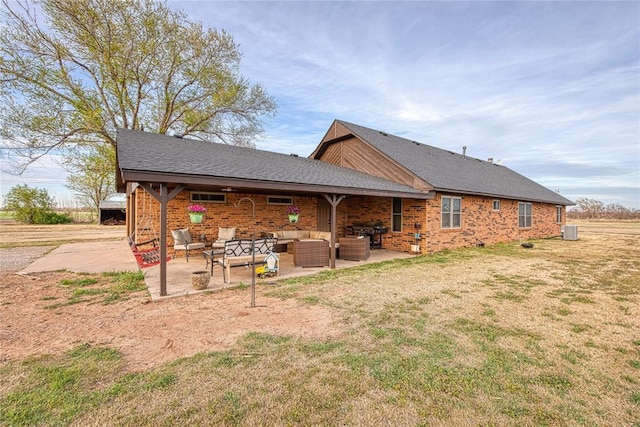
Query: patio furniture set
x=310 y=248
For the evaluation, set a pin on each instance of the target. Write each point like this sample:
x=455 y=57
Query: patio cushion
x=303 y=234
x=226 y=233
x=325 y=235
x=289 y=234
x=181 y=236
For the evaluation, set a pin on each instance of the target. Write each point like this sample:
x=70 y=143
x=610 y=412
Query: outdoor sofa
x=310 y=253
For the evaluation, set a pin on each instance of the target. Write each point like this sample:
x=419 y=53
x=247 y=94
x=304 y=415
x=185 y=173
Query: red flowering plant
x=292 y=210
x=196 y=209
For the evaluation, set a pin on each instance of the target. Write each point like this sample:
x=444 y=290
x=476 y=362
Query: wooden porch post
x=163 y=197
x=163 y=239
x=334 y=200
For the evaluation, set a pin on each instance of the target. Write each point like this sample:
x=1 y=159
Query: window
x=396 y=214
x=279 y=200
x=559 y=214
x=202 y=197
x=496 y=205
x=451 y=211
x=524 y=214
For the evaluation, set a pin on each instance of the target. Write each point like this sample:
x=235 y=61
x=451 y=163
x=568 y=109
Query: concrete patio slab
x=99 y=257
x=94 y=257
x=179 y=273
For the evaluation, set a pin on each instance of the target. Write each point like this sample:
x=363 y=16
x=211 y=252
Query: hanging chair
x=146 y=257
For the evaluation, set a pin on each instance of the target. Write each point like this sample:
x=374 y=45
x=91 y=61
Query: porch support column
x=131 y=211
x=334 y=200
x=163 y=196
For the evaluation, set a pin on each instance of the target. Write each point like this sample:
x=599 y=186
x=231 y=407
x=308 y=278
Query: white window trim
x=559 y=214
x=450 y=227
x=493 y=205
x=525 y=216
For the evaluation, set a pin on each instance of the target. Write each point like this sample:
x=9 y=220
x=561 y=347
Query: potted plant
x=200 y=280
x=196 y=213
x=293 y=211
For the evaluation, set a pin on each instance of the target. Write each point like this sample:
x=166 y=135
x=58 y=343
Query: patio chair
x=182 y=242
x=224 y=234
x=355 y=248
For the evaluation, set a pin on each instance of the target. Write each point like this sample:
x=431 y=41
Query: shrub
x=33 y=206
x=53 y=218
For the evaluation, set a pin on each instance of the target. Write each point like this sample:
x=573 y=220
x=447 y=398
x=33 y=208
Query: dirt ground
x=148 y=334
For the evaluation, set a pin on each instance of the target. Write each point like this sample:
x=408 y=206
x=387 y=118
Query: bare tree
x=594 y=209
x=589 y=208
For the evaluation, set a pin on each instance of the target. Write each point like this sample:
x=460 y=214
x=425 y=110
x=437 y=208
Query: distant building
x=112 y=212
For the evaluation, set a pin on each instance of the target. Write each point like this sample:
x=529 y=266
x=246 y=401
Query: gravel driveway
x=15 y=259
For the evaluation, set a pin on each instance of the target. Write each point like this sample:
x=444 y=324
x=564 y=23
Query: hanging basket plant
x=293 y=212
x=196 y=213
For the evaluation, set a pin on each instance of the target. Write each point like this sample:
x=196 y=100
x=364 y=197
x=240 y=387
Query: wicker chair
x=311 y=253
x=355 y=248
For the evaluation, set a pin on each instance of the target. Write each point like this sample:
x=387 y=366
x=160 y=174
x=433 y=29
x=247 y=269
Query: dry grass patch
x=14 y=234
x=481 y=336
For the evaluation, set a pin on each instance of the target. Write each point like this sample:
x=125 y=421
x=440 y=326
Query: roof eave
x=249 y=184
x=567 y=202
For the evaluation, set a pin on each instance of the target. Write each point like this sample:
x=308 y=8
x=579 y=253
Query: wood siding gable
x=340 y=147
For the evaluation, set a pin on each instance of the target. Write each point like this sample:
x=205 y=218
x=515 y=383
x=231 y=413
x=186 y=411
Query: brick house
x=475 y=201
x=421 y=195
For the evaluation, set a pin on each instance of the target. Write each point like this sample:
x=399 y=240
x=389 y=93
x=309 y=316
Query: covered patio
x=171 y=169
x=179 y=273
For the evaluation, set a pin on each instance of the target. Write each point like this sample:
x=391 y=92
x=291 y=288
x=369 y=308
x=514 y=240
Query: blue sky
x=550 y=88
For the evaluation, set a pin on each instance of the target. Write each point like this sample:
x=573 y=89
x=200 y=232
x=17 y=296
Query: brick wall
x=373 y=209
x=479 y=222
x=267 y=217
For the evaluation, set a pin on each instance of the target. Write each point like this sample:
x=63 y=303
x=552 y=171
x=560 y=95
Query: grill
x=374 y=232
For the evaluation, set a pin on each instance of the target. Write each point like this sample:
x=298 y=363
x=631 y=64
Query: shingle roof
x=162 y=154
x=452 y=172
